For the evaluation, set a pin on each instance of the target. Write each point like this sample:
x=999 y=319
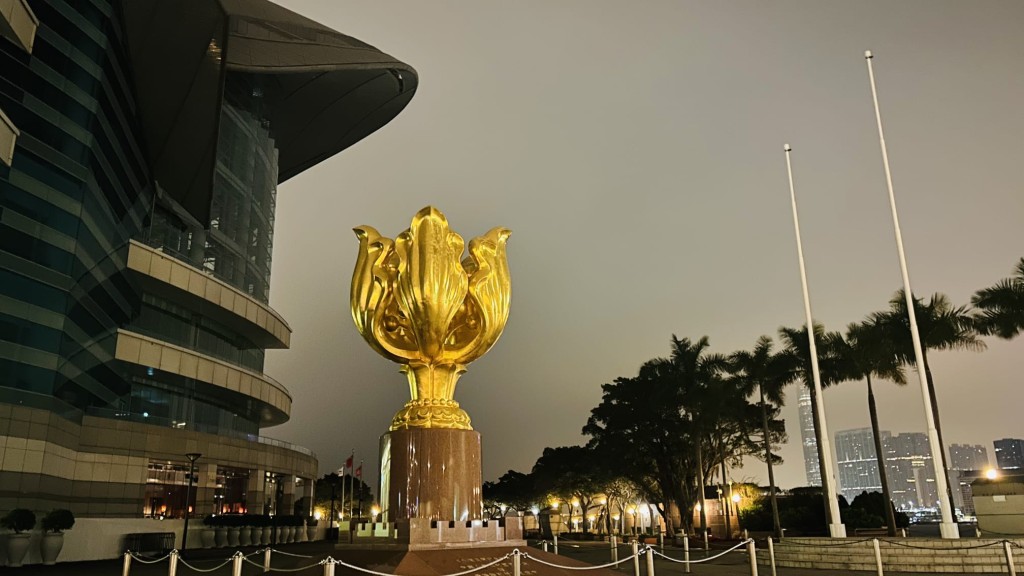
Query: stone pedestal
x=432 y=474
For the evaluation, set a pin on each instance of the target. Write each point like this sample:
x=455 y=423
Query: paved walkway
x=309 y=555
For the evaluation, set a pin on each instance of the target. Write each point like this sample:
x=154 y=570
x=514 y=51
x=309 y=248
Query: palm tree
x=699 y=372
x=798 y=344
x=766 y=374
x=865 y=354
x=1002 y=306
x=941 y=326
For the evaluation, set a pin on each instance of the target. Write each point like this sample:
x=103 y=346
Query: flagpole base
x=949 y=530
x=837 y=530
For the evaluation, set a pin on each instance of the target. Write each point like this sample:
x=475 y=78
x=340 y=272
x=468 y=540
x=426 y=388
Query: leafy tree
x=670 y=425
x=514 y=490
x=866 y=354
x=941 y=326
x=1001 y=306
x=766 y=374
x=570 y=473
x=638 y=424
x=873 y=503
x=362 y=493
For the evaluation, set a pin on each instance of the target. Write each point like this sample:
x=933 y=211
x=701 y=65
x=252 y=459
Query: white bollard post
x=615 y=551
x=1009 y=558
x=650 y=562
x=977 y=532
x=517 y=566
x=544 y=545
x=127 y=564
x=878 y=556
x=661 y=542
x=752 y=552
x=903 y=532
x=706 y=546
x=329 y=566
x=236 y=564
x=746 y=535
x=266 y=559
x=636 y=558
x=172 y=567
x=556 y=543
x=686 y=552
x=771 y=555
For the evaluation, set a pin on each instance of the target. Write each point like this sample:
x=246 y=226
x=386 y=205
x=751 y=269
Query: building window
x=230 y=494
x=166 y=488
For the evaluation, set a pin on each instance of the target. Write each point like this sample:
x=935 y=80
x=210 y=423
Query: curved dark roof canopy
x=325 y=91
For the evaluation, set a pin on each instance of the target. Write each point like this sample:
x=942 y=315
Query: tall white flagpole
x=835 y=528
x=947 y=527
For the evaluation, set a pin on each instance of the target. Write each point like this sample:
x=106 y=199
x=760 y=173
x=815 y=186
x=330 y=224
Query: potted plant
x=21 y=520
x=255 y=530
x=234 y=527
x=266 y=525
x=311 y=523
x=54 y=524
x=243 y=530
x=220 y=530
x=208 y=535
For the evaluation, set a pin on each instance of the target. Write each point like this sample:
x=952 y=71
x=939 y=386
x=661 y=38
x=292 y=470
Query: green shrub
x=58 y=520
x=20 y=520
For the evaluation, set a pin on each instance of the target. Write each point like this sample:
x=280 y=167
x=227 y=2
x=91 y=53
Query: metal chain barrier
x=144 y=560
x=616 y=563
x=276 y=551
x=463 y=573
x=898 y=543
x=786 y=542
x=218 y=567
x=708 y=559
x=260 y=566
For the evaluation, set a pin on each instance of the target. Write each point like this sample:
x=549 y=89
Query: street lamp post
x=192 y=457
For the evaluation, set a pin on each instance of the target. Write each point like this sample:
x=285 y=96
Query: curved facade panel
x=163 y=273
x=136 y=233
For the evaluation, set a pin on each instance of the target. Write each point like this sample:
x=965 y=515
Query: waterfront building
x=1010 y=453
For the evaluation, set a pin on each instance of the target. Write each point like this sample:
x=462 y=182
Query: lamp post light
x=192 y=457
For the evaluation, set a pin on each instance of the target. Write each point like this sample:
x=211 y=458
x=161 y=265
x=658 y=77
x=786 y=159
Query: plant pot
x=49 y=547
x=233 y=537
x=300 y=533
x=221 y=536
x=243 y=536
x=17 y=547
x=255 y=533
x=265 y=535
x=207 y=537
x=310 y=533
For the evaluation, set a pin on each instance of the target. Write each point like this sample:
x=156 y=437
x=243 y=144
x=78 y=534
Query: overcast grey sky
x=635 y=150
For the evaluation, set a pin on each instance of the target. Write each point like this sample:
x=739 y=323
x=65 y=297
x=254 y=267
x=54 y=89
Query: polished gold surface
x=417 y=304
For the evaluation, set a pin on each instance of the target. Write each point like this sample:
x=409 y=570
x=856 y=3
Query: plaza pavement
x=593 y=553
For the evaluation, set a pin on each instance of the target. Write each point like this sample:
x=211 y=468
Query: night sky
x=635 y=151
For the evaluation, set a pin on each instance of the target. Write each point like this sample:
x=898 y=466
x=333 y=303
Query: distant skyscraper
x=1010 y=453
x=911 y=471
x=858 y=461
x=968 y=457
x=810 y=443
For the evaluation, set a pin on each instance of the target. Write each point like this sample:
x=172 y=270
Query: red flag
x=348 y=463
x=359 y=471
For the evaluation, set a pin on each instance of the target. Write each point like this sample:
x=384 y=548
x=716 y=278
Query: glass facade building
x=137 y=194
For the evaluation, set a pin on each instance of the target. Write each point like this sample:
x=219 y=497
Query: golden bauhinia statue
x=418 y=303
